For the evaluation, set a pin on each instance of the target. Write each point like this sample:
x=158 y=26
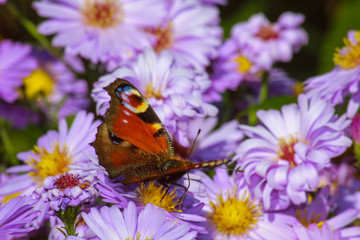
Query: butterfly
x=132 y=141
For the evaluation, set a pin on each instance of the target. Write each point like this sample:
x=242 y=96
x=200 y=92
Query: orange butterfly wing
x=132 y=137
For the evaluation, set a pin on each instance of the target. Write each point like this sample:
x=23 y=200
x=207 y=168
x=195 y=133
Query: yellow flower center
x=102 y=13
x=348 y=57
x=38 y=84
x=302 y=216
x=298 y=88
x=164 y=36
x=244 y=64
x=150 y=92
x=286 y=151
x=236 y=215
x=138 y=235
x=50 y=163
x=157 y=195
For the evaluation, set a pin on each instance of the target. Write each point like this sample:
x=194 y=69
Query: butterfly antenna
x=193 y=145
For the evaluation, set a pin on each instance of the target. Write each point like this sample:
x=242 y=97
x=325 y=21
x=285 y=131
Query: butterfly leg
x=167 y=190
x=183 y=195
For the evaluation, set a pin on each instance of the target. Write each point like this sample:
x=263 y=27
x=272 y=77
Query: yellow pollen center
x=138 y=237
x=302 y=216
x=286 y=151
x=102 y=13
x=157 y=195
x=150 y=92
x=244 y=64
x=164 y=37
x=298 y=88
x=49 y=163
x=236 y=215
x=348 y=57
x=38 y=84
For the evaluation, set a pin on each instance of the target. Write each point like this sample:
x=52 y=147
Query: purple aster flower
x=175 y=93
x=55 y=153
x=54 y=87
x=16 y=216
x=355 y=128
x=184 y=210
x=253 y=48
x=190 y=32
x=234 y=213
x=111 y=223
x=210 y=144
x=282 y=159
x=325 y=232
x=233 y=66
x=343 y=80
x=15 y=115
x=271 y=42
x=68 y=189
x=213 y=2
x=312 y=220
x=15 y=64
x=100 y=30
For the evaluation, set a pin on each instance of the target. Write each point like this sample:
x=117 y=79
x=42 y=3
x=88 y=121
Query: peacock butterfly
x=133 y=142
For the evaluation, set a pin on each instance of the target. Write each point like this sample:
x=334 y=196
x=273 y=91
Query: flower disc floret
x=158 y=196
x=235 y=215
x=69 y=189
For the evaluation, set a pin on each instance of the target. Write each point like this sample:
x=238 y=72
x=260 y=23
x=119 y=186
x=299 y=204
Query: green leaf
x=272 y=103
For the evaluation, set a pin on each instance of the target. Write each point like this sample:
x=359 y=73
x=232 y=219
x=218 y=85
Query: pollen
x=286 y=151
x=164 y=37
x=150 y=92
x=38 y=84
x=49 y=163
x=102 y=13
x=244 y=65
x=305 y=220
x=348 y=57
x=68 y=181
x=237 y=215
x=157 y=195
x=267 y=32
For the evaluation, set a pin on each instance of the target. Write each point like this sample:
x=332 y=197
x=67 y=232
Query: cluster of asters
x=292 y=176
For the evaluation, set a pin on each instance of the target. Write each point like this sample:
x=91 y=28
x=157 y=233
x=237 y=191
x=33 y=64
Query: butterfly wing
x=132 y=137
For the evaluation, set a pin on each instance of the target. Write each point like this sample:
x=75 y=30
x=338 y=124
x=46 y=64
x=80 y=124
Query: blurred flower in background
x=192 y=40
x=343 y=80
x=101 y=31
x=15 y=64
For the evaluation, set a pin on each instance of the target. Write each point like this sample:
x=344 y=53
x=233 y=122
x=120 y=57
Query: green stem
x=7 y=144
x=68 y=217
x=32 y=30
x=263 y=94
